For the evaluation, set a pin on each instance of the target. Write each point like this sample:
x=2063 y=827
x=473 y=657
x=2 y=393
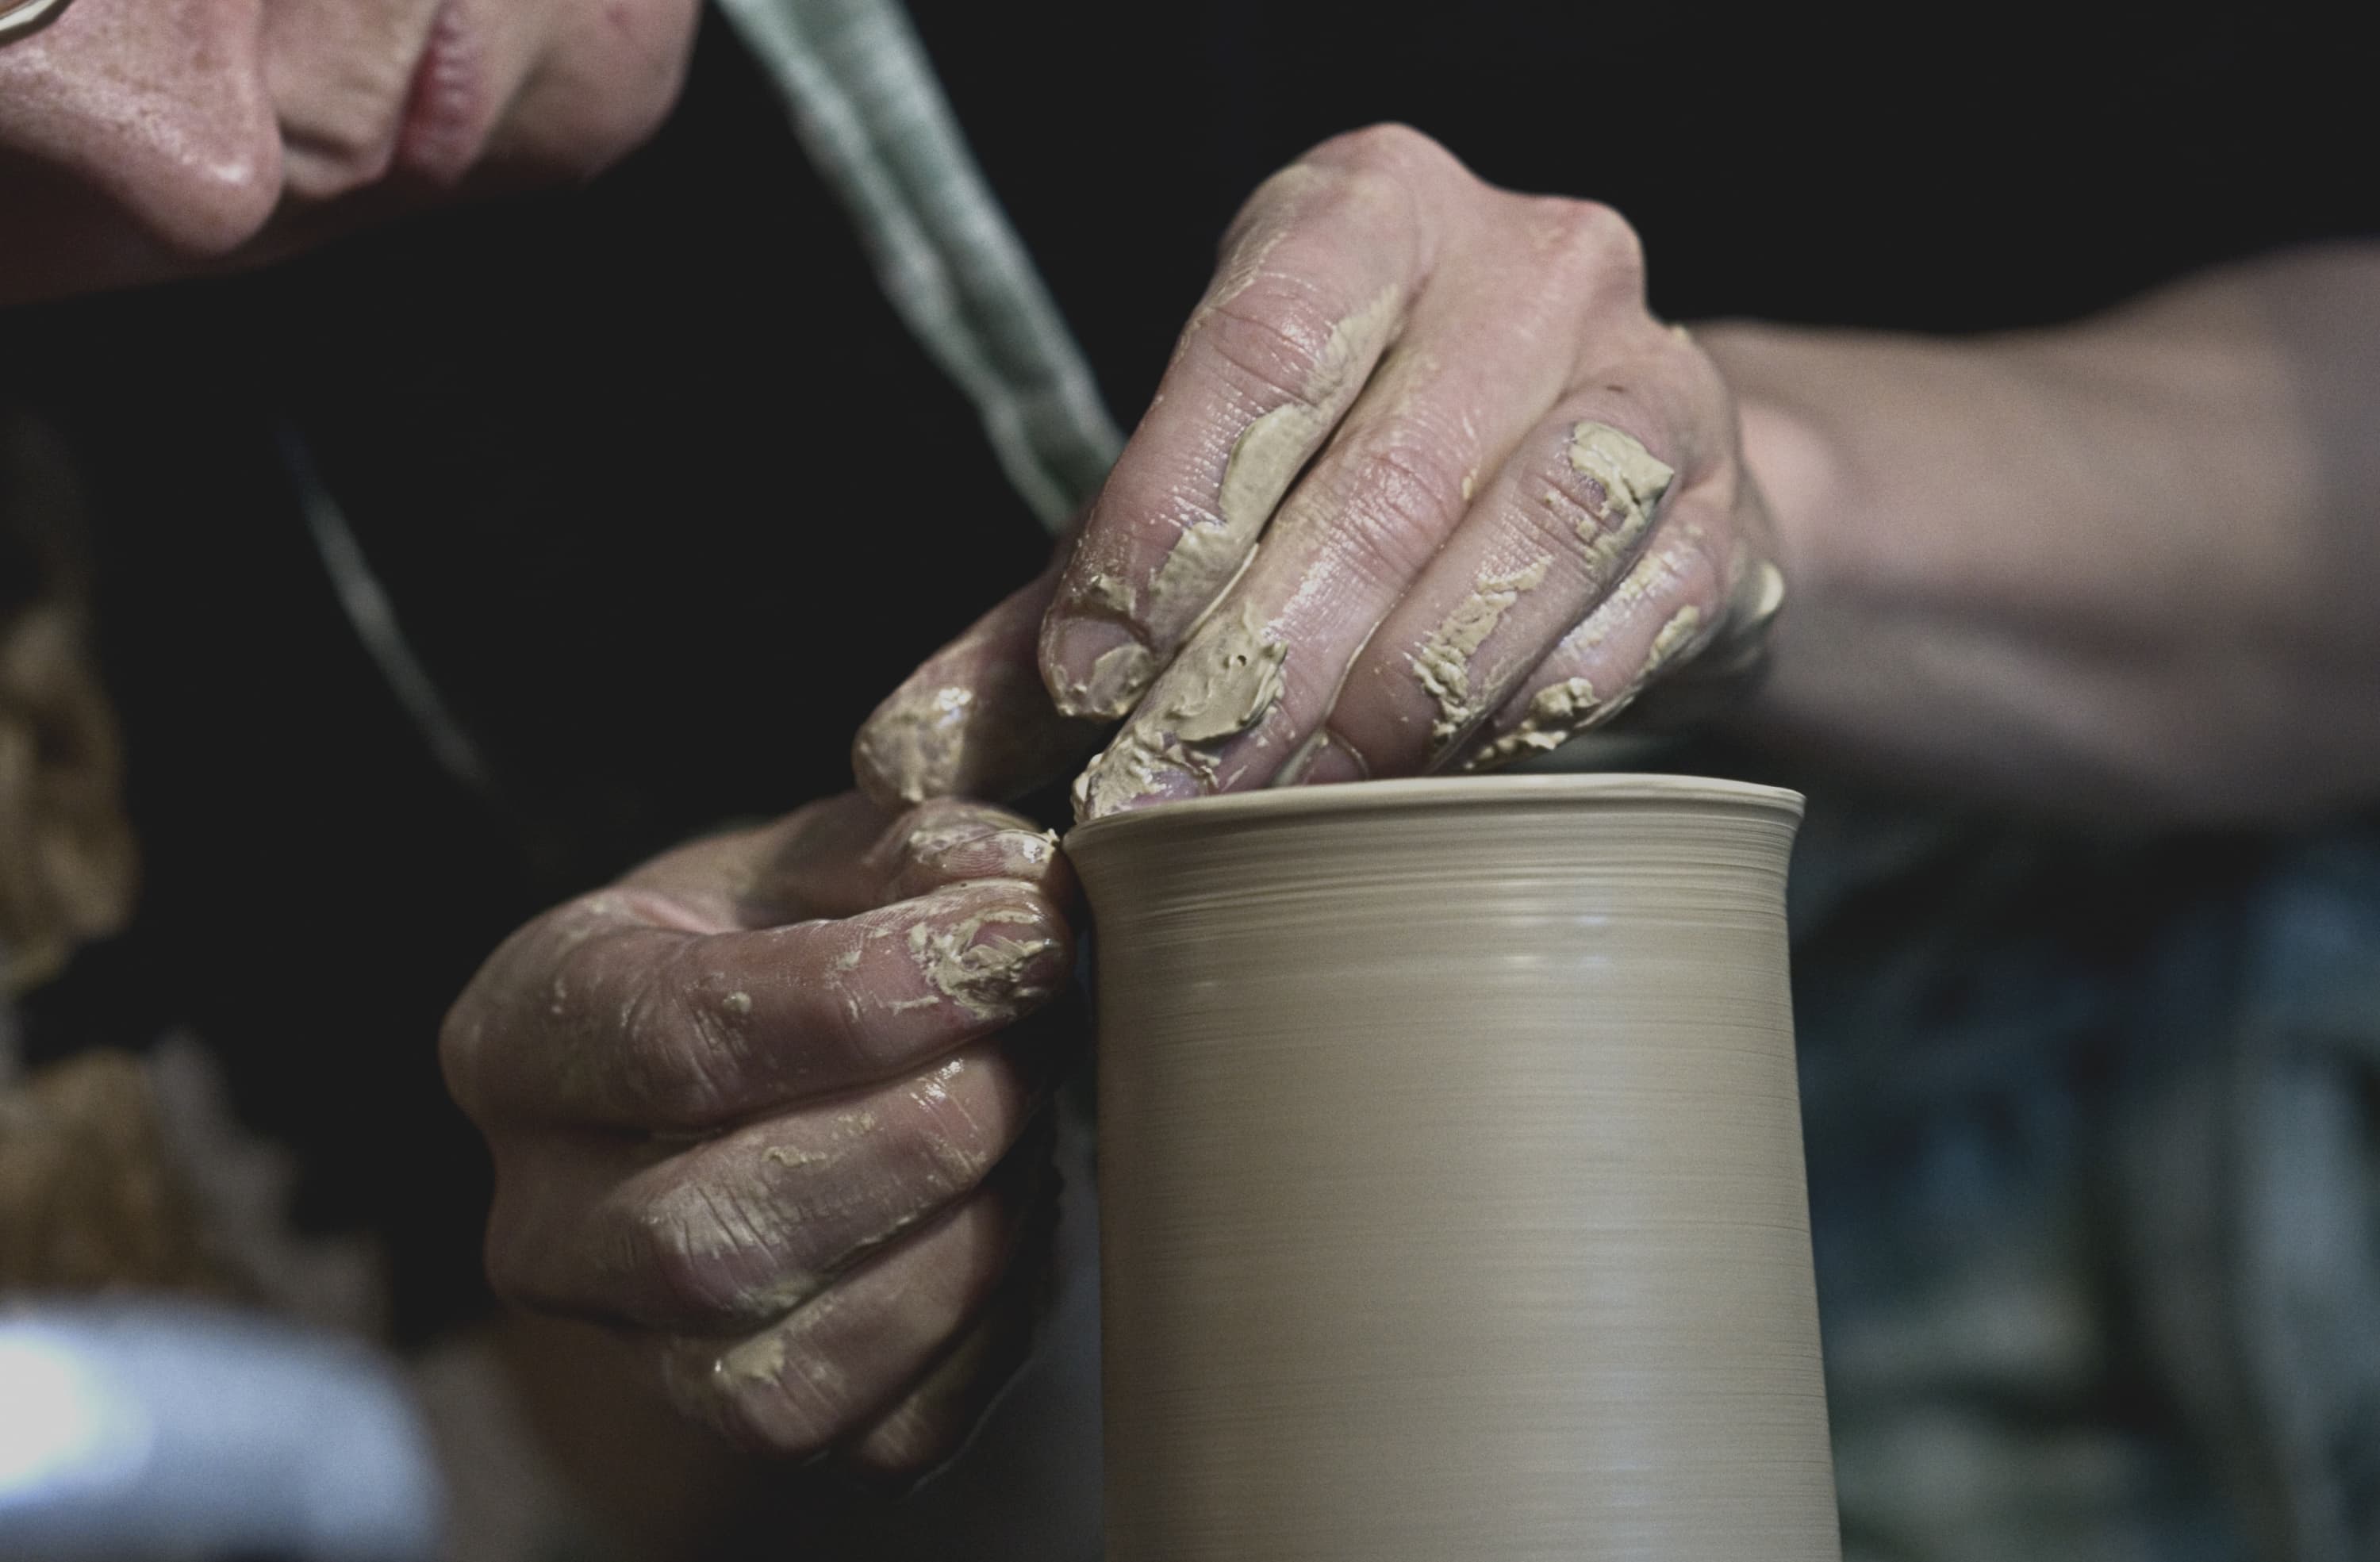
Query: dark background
x=666 y=499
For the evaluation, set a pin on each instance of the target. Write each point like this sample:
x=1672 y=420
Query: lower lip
x=448 y=110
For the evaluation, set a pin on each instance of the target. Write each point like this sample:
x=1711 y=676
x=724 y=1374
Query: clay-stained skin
x=1556 y=715
x=1633 y=481
x=1264 y=462
x=918 y=740
x=1562 y=712
x=982 y=975
x=762 y=1359
x=1443 y=663
x=1226 y=680
x=1110 y=593
x=1266 y=459
x=938 y=737
x=1672 y=639
x=1242 y=269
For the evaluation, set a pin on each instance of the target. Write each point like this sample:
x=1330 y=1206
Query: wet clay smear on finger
x=917 y=740
x=1267 y=457
x=1632 y=479
x=1556 y=715
x=986 y=977
x=1218 y=688
x=1443 y=663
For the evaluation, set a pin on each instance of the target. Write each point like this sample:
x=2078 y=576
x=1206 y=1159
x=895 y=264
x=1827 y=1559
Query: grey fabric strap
x=870 y=113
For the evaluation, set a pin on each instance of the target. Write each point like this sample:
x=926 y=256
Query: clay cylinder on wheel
x=1451 y=1178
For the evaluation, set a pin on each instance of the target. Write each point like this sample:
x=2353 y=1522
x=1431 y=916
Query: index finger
x=609 y=1011
x=1317 y=275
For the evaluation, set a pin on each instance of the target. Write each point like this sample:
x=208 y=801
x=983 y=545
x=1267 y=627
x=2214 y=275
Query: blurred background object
x=67 y=858
x=133 y=1431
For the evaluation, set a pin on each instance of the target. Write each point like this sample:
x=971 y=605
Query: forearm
x=2122 y=568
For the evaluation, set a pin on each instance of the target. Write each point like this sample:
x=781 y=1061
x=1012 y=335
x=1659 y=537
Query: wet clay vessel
x=1451 y=1176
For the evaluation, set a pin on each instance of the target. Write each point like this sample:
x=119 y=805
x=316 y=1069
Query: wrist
x=1794 y=455
x=1802 y=467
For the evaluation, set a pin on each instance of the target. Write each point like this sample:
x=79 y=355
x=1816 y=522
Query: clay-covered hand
x=759 y=1106
x=1426 y=485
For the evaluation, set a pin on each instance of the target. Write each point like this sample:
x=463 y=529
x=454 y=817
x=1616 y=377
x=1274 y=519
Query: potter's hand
x=753 y=1105
x=1426 y=487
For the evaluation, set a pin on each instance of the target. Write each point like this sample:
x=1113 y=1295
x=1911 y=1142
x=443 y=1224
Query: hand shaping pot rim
x=1440 y=791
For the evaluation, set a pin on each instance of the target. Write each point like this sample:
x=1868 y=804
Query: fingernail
x=1101 y=669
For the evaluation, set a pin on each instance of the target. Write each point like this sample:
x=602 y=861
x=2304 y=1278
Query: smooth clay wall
x=1451 y=1177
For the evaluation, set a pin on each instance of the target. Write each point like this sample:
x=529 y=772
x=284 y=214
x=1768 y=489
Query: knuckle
x=702 y=1045
x=1370 y=192
x=675 y=1057
x=470 y=1035
x=1569 y=510
x=581 y=915
x=1277 y=195
x=1559 y=515
x=689 y=1246
x=1590 y=241
x=1400 y=503
x=504 y=1257
x=1388 y=146
x=836 y=1023
x=944 y=1146
x=1573 y=504
x=1273 y=333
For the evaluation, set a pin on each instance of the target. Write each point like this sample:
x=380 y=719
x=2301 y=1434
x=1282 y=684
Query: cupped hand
x=759 y=1106
x=1426 y=485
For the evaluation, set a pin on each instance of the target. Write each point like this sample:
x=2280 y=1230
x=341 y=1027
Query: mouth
x=450 y=110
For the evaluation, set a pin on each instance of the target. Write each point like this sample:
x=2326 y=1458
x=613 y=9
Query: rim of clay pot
x=1625 y=786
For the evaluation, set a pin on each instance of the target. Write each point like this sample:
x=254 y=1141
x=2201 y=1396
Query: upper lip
x=445 y=118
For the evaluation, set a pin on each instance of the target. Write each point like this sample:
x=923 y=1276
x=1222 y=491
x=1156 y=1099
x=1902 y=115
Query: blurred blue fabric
x=156 y=1430
x=2093 y=1139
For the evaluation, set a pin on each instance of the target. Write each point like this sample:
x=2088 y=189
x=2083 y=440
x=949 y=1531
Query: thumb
x=975 y=720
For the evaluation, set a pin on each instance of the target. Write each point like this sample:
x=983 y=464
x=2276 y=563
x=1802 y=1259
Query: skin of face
x=146 y=139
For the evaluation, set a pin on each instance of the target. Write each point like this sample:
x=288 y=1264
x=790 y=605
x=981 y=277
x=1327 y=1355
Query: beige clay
x=1451 y=1177
x=1224 y=682
x=1267 y=456
x=1632 y=479
x=1264 y=463
x=1444 y=662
